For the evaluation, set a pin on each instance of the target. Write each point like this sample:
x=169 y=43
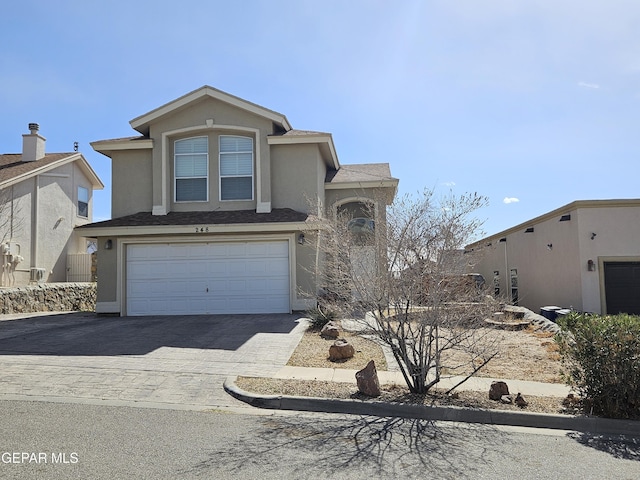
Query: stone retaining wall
x=49 y=297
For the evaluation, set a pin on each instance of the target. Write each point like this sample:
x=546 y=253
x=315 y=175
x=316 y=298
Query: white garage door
x=190 y=278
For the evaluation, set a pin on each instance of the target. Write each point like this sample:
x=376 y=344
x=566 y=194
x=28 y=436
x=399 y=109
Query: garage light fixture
x=301 y=239
x=108 y=245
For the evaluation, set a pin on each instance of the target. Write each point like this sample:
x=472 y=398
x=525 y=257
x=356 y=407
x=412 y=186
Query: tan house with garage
x=43 y=197
x=584 y=255
x=212 y=205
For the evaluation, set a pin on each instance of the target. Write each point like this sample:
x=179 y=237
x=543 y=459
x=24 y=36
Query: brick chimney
x=32 y=144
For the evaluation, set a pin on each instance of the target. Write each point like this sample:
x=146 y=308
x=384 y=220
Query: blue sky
x=533 y=104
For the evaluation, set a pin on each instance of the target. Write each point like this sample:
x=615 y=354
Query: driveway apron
x=172 y=361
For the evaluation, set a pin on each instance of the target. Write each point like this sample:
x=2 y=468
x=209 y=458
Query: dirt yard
x=524 y=355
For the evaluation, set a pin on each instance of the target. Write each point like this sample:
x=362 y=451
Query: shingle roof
x=300 y=133
x=363 y=172
x=12 y=166
x=144 y=219
x=122 y=139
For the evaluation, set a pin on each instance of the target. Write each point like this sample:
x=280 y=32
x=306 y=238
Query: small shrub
x=602 y=358
x=320 y=316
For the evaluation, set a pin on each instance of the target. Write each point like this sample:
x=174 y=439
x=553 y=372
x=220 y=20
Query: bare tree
x=6 y=215
x=405 y=278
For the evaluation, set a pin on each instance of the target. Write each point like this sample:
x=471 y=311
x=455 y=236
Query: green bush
x=320 y=316
x=602 y=359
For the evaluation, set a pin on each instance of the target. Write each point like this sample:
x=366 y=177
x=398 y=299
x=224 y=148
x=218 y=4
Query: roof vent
x=32 y=144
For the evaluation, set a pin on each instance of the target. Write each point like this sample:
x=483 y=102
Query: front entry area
x=208 y=278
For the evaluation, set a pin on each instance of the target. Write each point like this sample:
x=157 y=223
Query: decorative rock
x=497 y=390
x=367 y=380
x=341 y=350
x=508 y=399
x=520 y=401
x=330 y=330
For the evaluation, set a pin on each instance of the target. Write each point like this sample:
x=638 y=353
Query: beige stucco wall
x=130 y=194
x=57 y=217
x=107 y=274
x=545 y=276
x=298 y=177
x=305 y=288
x=45 y=209
x=617 y=232
x=19 y=232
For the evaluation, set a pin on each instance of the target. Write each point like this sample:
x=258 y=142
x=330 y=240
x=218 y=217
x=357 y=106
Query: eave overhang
x=107 y=146
x=96 y=183
x=193 y=230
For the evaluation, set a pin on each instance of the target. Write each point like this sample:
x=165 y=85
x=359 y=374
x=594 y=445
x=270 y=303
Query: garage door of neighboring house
x=622 y=287
x=208 y=278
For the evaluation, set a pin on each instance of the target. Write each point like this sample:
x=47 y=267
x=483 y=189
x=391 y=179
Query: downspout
x=34 y=223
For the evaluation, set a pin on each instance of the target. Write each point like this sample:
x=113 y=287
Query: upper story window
x=236 y=168
x=83 y=202
x=191 y=169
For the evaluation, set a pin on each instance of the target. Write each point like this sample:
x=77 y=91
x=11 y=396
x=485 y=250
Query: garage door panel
x=622 y=287
x=144 y=270
x=242 y=277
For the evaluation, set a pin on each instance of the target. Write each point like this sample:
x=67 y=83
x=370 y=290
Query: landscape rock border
x=49 y=297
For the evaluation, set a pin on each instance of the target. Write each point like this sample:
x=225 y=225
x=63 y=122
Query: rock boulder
x=341 y=350
x=367 y=380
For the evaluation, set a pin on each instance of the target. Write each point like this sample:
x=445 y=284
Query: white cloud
x=593 y=86
x=449 y=184
x=511 y=200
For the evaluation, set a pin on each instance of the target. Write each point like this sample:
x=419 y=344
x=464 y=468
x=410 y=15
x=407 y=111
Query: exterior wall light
x=108 y=245
x=591 y=266
x=301 y=239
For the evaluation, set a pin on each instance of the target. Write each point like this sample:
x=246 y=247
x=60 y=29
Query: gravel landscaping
x=528 y=354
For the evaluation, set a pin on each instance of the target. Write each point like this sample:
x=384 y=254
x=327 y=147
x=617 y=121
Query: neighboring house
x=584 y=255
x=211 y=209
x=43 y=196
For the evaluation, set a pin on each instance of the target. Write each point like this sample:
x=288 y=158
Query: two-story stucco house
x=584 y=255
x=211 y=205
x=43 y=197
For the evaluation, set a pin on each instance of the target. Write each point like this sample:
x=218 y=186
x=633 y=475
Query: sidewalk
x=477 y=384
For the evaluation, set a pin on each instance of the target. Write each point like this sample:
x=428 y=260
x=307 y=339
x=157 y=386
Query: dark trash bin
x=550 y=312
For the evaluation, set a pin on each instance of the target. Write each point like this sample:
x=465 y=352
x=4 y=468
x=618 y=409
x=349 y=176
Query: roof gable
x=142 y=123
x=13 y=170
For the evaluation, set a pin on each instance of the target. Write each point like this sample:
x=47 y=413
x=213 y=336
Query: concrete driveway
x=171 y=362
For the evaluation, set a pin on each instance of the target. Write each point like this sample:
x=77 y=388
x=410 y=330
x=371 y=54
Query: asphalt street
x=63 y=440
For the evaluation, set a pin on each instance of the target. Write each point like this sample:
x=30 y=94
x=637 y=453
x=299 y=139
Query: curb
x=593 y=425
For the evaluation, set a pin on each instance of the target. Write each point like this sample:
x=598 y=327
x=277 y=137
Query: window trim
x=253 y=169
x=86 y=204
x=175 y=176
